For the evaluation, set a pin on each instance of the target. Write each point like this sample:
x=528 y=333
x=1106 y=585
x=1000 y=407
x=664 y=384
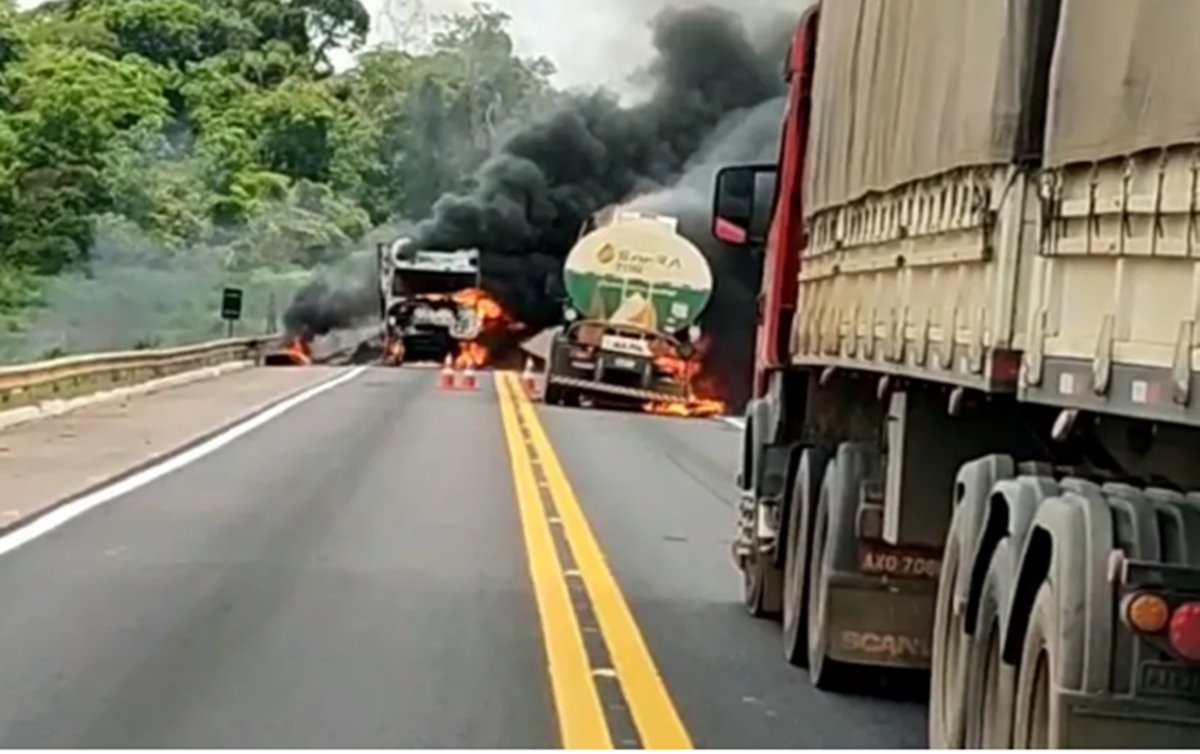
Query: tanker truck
x=422 y=319
x=635 y=290
x=972 y=445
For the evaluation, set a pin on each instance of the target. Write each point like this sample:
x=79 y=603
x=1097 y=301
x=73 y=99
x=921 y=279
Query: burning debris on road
x=296 y=352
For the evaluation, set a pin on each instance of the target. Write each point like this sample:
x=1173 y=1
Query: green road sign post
x=231 y=306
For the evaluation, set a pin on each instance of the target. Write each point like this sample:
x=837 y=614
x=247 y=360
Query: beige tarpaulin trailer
x=909 y=89
x=1124 y=79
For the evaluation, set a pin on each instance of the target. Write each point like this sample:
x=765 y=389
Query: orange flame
x=486 y=306
x=702 y=407
x=493 y=319
x=471 y=354
x=298 y=351
x=679 y=369
x=685 y=370
x=393 y=351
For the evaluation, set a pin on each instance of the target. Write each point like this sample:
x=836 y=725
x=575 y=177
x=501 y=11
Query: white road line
x=734 y=421
x=59 y=516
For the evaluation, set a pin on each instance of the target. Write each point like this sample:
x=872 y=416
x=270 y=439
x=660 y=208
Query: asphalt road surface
x=391 y=565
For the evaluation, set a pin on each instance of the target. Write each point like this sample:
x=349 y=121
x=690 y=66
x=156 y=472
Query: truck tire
x=988 y=693
x=1035 y=723
x=950 y=642
x=835 y=547
x=761 y=583
x=805 y=492
x=553 y=394
x=947 y=676
x=826 y=674
x=990 y=682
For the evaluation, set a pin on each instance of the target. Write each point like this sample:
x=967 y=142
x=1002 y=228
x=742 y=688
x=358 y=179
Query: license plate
x=623 y=363
x=1162 y=679
x=878 y=559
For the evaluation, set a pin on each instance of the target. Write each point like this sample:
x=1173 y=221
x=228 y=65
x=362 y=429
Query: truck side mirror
x=742 y=202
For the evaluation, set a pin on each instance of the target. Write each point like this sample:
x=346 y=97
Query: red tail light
x=1184 y=631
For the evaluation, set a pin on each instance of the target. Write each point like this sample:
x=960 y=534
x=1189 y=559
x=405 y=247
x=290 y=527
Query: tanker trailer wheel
x=553 y=395
x=805 y=492
x=1036 y=716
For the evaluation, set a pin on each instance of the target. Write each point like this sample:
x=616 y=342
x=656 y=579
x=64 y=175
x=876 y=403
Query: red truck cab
x=784 y=235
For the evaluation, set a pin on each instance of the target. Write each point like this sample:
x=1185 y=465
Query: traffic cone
x=446 y=378
x=528 y=378
x=469 y=380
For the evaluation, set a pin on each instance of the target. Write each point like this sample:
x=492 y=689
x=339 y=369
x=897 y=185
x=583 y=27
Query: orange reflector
x=1148 y=613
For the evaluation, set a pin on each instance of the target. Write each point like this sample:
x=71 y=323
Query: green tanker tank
x=636 y=290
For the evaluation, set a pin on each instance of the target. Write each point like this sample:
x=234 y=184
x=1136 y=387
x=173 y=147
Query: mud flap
x=1127 y=723
x=880 y=623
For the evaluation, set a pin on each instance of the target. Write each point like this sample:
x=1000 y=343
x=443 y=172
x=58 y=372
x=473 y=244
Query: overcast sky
x=591 y=41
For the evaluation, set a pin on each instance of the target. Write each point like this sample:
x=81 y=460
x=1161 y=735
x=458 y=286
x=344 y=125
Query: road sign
x=231 y=304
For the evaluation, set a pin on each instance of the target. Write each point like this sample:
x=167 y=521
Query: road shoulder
x=46 y=462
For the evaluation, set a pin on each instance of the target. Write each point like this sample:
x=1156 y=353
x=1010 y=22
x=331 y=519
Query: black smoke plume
x=319 y=308
x=528 y=200
x=526 y=203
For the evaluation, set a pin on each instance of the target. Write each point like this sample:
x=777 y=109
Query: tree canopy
x=220 y=128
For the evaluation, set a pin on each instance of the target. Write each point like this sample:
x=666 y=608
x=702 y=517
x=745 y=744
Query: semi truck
x=424 y=316
x=635 y=290
x=972 y=445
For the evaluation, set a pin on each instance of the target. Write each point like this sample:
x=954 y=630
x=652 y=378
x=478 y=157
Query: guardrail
x=76 y=376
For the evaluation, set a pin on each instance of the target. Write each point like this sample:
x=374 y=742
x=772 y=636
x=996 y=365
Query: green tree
x=177 y=136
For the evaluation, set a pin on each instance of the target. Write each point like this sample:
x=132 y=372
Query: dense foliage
x=215 y=135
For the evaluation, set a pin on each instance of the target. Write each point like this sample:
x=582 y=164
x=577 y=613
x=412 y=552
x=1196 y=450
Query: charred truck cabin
x=423 y=320
x=635 y=289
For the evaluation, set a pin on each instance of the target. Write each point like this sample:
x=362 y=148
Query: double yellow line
x=541 y=502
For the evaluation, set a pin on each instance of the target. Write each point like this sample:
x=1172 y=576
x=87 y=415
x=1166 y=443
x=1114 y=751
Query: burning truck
x=432 y=305
x=636 y=289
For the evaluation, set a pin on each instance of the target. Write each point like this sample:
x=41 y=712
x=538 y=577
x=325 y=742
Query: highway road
x=379 y=563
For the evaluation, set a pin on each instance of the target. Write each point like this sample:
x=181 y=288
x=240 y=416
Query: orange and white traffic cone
x=469 y=380
x=528 y=378
x=446 y=378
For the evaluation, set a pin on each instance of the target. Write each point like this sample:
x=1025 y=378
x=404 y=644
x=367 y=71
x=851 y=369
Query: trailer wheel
x=989 y=682
x=1036 y=715
x=951 y=644
x=552 y=395
x=948 y=674
x=761 y=581
x=805 y=492
x=825 y=673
